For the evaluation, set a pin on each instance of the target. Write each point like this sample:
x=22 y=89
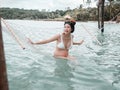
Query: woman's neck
x=67 y=36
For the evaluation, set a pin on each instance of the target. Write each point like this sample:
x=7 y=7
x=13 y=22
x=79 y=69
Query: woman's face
x=67 y=29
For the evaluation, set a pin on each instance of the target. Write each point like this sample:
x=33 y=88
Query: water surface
x=95 y=68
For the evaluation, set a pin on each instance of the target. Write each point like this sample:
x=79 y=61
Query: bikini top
x=61 y=44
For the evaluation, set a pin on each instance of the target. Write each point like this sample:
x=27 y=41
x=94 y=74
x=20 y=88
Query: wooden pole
x=102 y=19
x=101 y=15
x=3 y=73
x=98 y=16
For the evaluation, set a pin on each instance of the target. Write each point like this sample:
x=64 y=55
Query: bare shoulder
x=53 y=38
x=57 y=36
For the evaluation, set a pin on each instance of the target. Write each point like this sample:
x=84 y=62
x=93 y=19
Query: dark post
x=102 y=20
x=99 y=13
x=98 y=16
x=3 y=73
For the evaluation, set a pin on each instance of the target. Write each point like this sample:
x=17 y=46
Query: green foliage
x=80 y=13
x=15 y=13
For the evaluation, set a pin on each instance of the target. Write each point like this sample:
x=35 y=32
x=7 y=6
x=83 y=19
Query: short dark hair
x=72 y=24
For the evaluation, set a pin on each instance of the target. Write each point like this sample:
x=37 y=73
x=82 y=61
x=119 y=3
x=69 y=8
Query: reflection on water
x=95 y=68
x=63 y=73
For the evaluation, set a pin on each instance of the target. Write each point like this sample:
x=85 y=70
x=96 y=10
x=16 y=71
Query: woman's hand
x=78 y=43
x=81 y=42
x=30 y=41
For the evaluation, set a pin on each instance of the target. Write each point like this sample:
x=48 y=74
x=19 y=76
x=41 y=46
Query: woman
x=64 y=41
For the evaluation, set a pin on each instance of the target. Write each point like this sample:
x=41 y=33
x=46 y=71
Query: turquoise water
x=95 y=68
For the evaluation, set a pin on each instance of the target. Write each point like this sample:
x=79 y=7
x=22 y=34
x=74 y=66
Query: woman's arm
x=54 y=38
x=78 y=43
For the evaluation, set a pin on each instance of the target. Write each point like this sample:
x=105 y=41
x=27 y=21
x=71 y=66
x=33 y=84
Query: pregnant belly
x=63 y=53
